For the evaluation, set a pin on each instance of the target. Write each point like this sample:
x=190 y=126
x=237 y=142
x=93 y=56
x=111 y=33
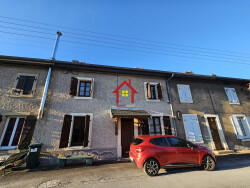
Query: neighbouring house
x=212 y=111
x=100 y=109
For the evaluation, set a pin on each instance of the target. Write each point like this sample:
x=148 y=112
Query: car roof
x=153 y=136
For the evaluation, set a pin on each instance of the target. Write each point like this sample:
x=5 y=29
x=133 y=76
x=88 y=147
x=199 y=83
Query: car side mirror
x=190 y=146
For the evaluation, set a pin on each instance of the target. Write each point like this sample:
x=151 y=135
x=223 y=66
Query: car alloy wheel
x=151 y=167
x=208 y=163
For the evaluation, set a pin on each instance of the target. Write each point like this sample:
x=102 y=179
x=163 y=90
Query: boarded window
x=184 y=93
x=192 y=127
x=232 y=95
x=241 y=126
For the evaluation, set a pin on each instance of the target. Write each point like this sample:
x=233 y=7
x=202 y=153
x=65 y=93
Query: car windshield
x=137 y=141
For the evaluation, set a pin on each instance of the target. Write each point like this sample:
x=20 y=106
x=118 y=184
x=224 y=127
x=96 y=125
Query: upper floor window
x=153 y=91
x=82 y=88
x=184 y=93
x=241 y=125
x=24 y=85
x=232 y=95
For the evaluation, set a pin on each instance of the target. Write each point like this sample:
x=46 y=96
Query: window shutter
x=159 y=89
x=86 y=131
x=1 y=118
x=73 y=86
x=234 y=96
x=192 y=128
x=184 y=93
x=91 y=87
x=248 y=125
x=148 y=91
x=29 y=84
x=20 y=84
x=167 y=125
x=237 y=127
x=145 y=128
x=65 y=131
x=27 y=132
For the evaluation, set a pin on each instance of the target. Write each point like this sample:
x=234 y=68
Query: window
x=153 y=91
x=232 y=95
x=177 y=142
x=184 y=93
x=192 y=128
x=75 y=131
x=12 y=132
x=241 y=125
x=137 y=141
x=155 y=125
x=160 y=141
x=82 y=88
x=24 y=85
x=18 y=131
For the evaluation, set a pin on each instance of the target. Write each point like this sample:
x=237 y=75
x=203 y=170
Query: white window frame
x=21 y=94
x=228 y=88
x=156 y=91
x=243 y=138
x=71 y=131
x=198 y=142
x=9 y=147
x=187 y=86
x=220 y=131
x=78 y=83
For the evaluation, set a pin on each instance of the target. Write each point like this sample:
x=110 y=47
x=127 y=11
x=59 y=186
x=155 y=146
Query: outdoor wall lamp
x=178 y=115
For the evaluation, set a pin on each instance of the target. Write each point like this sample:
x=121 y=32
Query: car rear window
x=137 y=141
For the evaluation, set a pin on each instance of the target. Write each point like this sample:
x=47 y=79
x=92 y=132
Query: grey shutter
x=192 y=128
x=65 y=131
x=27 y=132
x=237 y=128
x=73 y=86
x=86 y=131
x=184 y=93
x=149 y=91
x=159 y=90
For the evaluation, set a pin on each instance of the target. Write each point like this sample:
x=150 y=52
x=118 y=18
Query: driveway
x=232 y=171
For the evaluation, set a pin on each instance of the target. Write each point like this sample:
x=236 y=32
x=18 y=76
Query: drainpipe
x=171 y=104
x=40 y=113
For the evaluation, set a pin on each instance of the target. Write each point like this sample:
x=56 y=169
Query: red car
x=163 y=151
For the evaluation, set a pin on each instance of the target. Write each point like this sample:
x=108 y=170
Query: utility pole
x=40 y=113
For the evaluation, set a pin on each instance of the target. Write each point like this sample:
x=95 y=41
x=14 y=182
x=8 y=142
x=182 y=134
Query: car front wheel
x=151 y=167
x=208 y=163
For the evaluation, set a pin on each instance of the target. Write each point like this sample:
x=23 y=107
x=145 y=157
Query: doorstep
x=224 y=152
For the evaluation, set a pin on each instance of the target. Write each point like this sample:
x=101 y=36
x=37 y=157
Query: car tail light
x=139 y=150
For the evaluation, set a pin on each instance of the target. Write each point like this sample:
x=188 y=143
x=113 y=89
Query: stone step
x=223 y=152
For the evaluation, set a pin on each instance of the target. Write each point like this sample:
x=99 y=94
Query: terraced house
x=100 y=109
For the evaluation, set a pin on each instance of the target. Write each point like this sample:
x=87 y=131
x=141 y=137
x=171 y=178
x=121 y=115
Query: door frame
x=220 y=131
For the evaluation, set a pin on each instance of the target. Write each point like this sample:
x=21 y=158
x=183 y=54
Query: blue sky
x=179 y=35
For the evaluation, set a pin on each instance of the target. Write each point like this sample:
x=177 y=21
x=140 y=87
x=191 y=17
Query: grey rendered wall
x=210 y=98
x=59 y=103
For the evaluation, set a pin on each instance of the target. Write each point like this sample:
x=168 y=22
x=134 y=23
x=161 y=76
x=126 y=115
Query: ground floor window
x=241 y=125
x=12 y=132
x=155 y=125
x=75 y=131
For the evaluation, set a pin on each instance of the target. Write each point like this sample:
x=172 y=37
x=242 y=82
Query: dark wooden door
x=127 y=135
x=214 y=132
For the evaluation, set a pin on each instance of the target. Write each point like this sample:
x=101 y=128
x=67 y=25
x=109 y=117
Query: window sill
x=246 y=140
x=71 y=148
x=235 y=103
x=22 y=96
x=8 y=147
x=190 y=102
x=154 y=100
x=200 y=142
x=83 y=98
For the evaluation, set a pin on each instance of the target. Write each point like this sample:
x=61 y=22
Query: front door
x=127 y=135
x=214 y=132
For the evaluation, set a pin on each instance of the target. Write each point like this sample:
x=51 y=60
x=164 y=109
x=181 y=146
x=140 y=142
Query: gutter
x=173 y=125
